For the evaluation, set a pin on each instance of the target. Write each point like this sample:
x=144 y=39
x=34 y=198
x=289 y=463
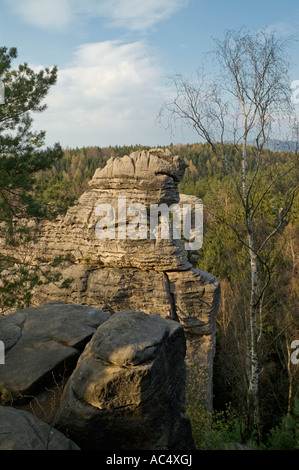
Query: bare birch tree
x=244 y=106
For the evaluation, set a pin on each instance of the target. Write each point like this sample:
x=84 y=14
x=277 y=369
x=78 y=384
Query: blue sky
x=114 y=57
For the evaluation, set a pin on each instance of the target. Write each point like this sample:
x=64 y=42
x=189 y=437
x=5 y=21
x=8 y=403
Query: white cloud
x=109 y=94
x=44 y=14
x=281 y=28
x=137 y=14
x=128 y=14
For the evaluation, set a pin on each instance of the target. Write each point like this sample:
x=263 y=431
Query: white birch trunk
x=253 y=340
x=253 y=366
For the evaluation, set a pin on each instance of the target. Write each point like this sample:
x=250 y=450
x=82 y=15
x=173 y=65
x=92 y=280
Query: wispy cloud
x=128 y=14
x=46 y=14
x=110 y=90
x=283 y=29
x=137 y=14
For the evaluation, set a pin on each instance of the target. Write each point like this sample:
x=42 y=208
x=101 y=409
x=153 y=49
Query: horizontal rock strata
x=145 y=274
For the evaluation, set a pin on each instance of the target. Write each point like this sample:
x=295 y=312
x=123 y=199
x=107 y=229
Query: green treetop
x=21 y=149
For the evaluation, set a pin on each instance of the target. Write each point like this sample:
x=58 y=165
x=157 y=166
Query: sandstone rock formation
x=128 y=389
x=144 y=274
x=41 y=342
x=20 y=430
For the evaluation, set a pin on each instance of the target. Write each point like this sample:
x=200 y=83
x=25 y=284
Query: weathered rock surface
x=20 y=430
x=137 y=274
x=143 y=177
x=128 y=389
x=43 y=341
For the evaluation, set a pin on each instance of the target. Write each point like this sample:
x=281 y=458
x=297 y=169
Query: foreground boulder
x=128 y=389
x=20 y=430
x=43 y=342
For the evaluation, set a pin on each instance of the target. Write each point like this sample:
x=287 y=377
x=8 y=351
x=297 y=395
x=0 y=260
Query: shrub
x=285 y=436
x=196 y=404
x=5 y=396
x=210 y=430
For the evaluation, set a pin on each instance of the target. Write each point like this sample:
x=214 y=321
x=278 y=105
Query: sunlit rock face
x=129 y=271
x=128 y=389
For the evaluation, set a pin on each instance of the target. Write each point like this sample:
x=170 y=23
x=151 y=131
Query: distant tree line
x=61 y=185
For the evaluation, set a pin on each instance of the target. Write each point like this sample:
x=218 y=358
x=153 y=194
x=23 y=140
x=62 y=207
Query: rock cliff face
x=126 y=272
x=42 y=342
x=110 y=383
x=128 y=389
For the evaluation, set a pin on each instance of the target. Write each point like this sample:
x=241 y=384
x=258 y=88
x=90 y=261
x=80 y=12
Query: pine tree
x=22 y=156
x=21 y=149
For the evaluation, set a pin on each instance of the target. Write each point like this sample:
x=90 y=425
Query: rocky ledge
x=75 y=379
